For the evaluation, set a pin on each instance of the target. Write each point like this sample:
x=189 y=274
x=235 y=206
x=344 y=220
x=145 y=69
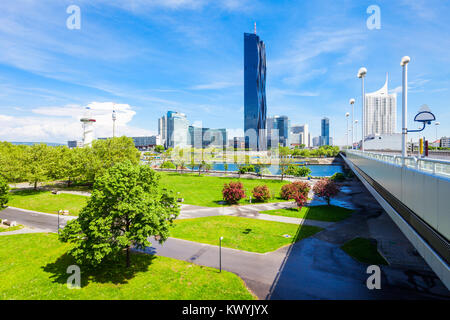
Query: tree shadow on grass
x=110 y=270
x=27 y=192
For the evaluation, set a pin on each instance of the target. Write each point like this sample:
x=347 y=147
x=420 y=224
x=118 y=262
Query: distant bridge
x=415 y=192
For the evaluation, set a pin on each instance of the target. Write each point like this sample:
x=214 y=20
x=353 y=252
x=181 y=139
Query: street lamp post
x=436 y=124
x=346 y=116
x=220 y=253
x=404 y=63
x=356 y=131
x=352 y=102
x=361 y=74
x=114 y=118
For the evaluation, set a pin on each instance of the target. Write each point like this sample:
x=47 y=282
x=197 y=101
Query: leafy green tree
x=4 y=192
x=12 y=162
x=127 y=206
x=37 y=164
x=159 y=149
x=104 y=154
x=284 y=154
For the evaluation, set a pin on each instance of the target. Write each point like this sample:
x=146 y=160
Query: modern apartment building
x=380 y=112
x=255 y=108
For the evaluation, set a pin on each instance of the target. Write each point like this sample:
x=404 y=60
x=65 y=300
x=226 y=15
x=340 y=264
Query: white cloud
x=59 y=124
x=214 y=85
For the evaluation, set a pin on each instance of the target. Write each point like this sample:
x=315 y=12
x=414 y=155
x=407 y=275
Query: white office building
x=380 y=112
x=300 y=135
x=162 y=130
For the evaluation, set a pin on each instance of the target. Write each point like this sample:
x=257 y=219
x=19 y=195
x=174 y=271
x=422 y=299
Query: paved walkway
x=250 y=211
x=20 y=231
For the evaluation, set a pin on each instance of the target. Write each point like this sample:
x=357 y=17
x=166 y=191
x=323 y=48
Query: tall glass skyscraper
x=325 y=132
x=177 y=130
x=255 y=108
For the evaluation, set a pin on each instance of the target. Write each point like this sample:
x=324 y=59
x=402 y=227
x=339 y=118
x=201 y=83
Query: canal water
x=316 y=170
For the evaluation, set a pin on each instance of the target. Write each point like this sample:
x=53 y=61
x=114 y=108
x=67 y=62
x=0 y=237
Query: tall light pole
x=404 y=63
x=361 y=74
x=346 y=116
x=352 y=102
x=436 y=124
x=114 y=117
x=356 y=130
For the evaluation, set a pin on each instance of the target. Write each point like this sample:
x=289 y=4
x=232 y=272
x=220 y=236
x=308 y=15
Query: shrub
x=300 y=200
x=261 y=193
x=338 y=177
x=167 y=165
x=233 y=192
x=303 y=187
x=289 y=191
x=298 y=171
x=247 y=168
x=326 y=188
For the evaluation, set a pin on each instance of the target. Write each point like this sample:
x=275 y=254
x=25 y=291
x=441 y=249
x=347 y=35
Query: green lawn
x=33 y=266
x=364 y=250
x=7 y=229
x=45 y=201
x=322 y=213
x=241 y=233
x=207 y=191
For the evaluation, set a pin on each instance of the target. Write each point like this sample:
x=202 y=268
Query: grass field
x=207 y=191
x=7 y=229
x=33 y=266
x=45 y=201
x=196 y=190
x=322 y=213
x=364 y=250
x=241 y=233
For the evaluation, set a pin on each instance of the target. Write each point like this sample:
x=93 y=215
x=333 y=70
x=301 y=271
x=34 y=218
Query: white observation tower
x=88 y=127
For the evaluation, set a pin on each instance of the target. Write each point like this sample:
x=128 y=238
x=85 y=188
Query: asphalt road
x=41 y=221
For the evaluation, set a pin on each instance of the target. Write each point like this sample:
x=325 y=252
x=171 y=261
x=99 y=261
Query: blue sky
x=150 y=56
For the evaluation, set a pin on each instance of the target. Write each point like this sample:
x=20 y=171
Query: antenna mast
x=255 y=27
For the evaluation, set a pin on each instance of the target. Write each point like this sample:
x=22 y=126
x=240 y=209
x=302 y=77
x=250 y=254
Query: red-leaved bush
x=326 y=188
x=261 y=193
x=233 y=192
x=289 y=191
x=300 y=200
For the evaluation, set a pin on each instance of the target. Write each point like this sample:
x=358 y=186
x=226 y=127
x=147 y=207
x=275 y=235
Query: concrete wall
x=426 y=194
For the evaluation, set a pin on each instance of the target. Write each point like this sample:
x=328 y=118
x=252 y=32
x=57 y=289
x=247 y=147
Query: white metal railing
x=433 y=166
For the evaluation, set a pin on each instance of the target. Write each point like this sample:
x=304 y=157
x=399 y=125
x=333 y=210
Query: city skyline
x=142 y=67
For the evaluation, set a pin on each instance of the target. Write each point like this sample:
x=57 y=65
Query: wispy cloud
x=214 y=86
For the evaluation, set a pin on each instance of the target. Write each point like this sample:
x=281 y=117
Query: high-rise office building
x=380 y=112
x=303 y=130
x=325 y=132
x=162 y=129
x=277 y=129
x=177 y=130
x=255 y=108
x=206 y=137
